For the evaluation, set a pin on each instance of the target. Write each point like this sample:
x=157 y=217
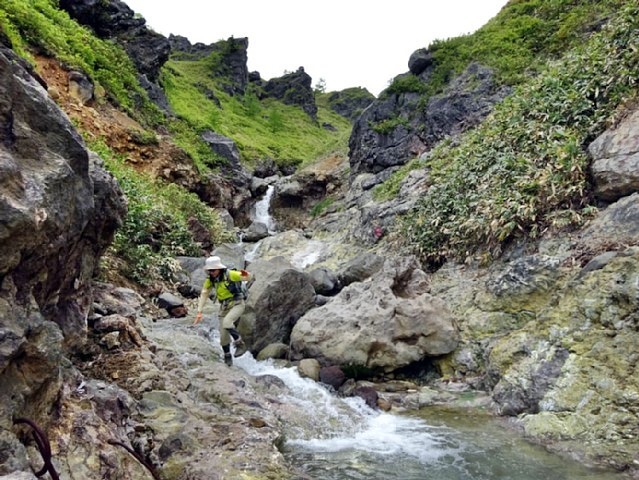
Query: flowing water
x=262 y=208
x=333 y=438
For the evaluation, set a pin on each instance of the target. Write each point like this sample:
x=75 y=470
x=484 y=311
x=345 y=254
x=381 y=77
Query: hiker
x=229 y=292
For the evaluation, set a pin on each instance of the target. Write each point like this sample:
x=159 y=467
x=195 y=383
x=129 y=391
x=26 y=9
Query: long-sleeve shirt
x=223 y=287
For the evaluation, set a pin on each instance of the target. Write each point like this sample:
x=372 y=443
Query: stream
x=334 y=438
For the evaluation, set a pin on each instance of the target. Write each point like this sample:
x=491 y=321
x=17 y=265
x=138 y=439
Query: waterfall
x=262 y=208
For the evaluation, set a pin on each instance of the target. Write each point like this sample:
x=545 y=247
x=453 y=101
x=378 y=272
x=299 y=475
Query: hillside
x=491 y=194
x=148 y=148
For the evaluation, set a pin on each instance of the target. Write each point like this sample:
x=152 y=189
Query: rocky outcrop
x=350 y=102
x=395 y=129
x=549 y=333
x=231 y=64
x=296 y=194
x=294 y=89
x=114 y=20
x=615 y=160
x=60 y=209
x=229 y=189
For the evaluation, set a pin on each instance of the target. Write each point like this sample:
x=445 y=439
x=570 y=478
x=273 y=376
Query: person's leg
x=228 y=358
x=225 y=337
x=229 y=321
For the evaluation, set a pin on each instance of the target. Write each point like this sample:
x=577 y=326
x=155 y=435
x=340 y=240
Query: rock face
x=60 y=208
x=465 y=102
x=294 y=89
x=59 y=211
x=232 y=63
x=350 y=102
x=551 y=334
x=615 y=160
x=114 y=20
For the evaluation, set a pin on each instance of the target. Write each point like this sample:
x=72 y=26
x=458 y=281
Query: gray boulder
x=615 y=165
x=386 y=322
x=279 y=295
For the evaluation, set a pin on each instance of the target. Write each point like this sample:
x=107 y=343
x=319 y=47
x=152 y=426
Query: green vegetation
x=321 y=206
x=407 y=84
x=387 y=126
x=524 y=169
x=390 y=188
x=260 y=129
x=157 y=225
x=517 y=42
x=156 y=228
x=40 y=25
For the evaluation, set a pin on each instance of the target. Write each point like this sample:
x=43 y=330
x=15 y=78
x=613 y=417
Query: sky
x=345 y=43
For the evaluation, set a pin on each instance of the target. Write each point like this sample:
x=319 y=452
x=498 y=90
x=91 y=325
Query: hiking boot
x=228 y=359
x=240 y=347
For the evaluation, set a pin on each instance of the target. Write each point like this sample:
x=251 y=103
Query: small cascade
x=311 y=253
x=262 y=210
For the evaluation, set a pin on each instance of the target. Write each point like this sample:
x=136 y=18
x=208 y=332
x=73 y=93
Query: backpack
x=238 y=289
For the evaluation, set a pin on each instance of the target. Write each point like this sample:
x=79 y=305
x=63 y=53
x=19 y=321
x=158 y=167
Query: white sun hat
x=214 y=263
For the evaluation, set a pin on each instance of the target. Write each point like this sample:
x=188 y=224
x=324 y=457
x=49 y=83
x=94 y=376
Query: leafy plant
x=321 y=206
x=516 y=43
x=406 y=84
x=156 y=228
x=388 y=125
x=390 y=188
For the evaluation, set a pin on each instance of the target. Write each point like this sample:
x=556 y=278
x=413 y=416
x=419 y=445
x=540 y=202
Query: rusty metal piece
x=44 y=447
x=138 y=457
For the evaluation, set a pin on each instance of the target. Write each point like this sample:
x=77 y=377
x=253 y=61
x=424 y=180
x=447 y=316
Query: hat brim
x=217 y=266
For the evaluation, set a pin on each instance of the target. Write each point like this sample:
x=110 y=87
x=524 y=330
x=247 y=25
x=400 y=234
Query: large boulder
x=386 y=322
x=60 y=208
x=59 y=211
x=615 y=160
x=279 y=295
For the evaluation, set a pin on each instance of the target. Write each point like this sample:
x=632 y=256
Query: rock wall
x=58 y=212
x=552 y=333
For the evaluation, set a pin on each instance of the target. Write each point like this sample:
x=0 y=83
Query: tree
x=320 y=86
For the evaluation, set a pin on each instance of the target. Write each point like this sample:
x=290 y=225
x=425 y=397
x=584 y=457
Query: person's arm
x=240 y=275
x=246 y=275
x=206 y=290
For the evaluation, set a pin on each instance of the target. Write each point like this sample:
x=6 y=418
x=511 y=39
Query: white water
x=311 y=253
x=334 y=438
x=262 y=207
x=333 y=423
